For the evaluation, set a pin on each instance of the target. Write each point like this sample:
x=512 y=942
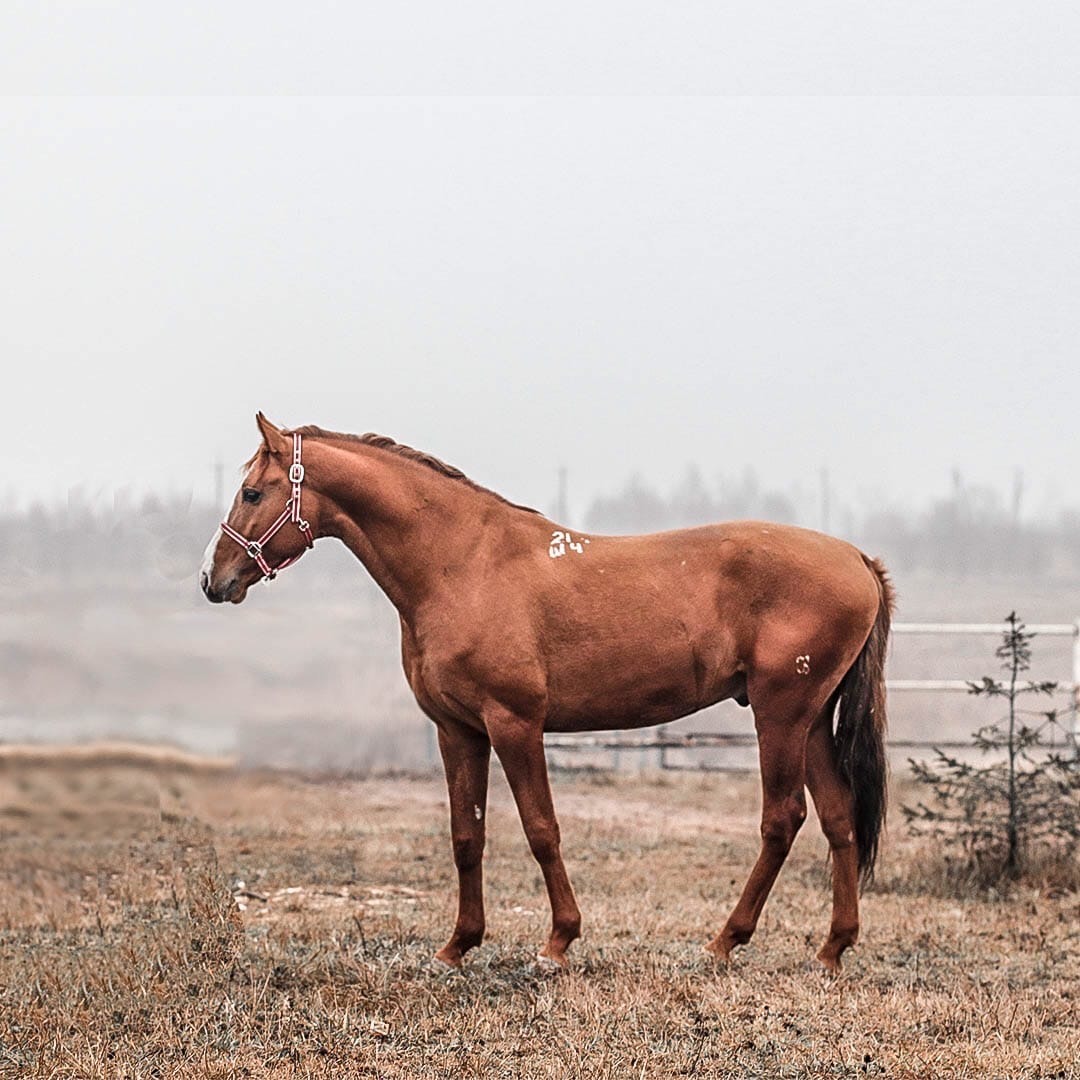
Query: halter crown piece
x=254 y=548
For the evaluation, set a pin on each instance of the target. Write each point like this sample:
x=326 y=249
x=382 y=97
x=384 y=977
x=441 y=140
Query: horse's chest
x=441 y=688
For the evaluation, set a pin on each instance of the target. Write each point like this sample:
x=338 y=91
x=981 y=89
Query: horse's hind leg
x=781 y=748
x=833 y=802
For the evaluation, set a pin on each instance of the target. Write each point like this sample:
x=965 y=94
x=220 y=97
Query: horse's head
x=272 y=521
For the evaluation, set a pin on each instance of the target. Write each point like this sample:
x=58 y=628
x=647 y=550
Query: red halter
x=254 y=548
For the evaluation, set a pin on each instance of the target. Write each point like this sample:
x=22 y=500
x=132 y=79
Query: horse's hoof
x=719 y=951
x=831 y=964
x=551 y=965
x=444 y=963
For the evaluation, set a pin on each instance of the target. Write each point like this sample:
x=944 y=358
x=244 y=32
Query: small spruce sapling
x=1023 y=803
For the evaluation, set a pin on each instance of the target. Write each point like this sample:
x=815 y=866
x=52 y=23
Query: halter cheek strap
x=254 y=548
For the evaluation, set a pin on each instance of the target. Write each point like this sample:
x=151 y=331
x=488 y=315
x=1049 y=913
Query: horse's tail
x=860 y=729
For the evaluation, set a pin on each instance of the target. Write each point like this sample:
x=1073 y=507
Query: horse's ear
x=273 y=439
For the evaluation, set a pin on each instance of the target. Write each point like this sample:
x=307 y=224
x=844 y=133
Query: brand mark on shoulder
x=563 y=542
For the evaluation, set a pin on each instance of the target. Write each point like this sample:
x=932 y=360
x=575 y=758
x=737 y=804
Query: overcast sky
x=888 y=286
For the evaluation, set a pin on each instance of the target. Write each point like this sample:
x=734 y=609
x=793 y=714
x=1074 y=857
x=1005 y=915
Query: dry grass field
x=161 y=920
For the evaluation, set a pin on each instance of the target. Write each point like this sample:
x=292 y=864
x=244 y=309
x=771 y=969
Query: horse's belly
x=596 y=720
x=598 y=691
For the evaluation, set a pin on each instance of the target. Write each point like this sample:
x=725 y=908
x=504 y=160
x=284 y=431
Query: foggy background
x=856 y=313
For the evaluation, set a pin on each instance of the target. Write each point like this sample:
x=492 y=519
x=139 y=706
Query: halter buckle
x=254 y=549
x=296 y=473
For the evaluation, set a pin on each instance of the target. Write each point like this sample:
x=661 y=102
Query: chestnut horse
x=511 y=626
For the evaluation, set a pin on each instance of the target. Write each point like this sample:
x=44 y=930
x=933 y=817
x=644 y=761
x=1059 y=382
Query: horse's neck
x=406 y=523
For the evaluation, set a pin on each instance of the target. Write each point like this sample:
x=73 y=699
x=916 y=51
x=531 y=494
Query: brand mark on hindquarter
x=802 y=664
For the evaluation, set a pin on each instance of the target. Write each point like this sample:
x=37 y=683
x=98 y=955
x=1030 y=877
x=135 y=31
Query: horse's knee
x=468 y=851
x=781 y=823
x=544 y=843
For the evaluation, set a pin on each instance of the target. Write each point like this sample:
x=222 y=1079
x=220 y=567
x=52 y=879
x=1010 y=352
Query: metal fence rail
x=693 y=740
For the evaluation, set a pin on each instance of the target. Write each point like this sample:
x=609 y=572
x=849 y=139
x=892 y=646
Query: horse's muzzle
x=216 y=596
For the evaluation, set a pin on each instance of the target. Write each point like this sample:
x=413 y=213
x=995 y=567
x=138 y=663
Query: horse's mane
x=429 y=461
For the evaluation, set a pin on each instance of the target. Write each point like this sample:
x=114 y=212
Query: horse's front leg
x=466 y=755
x=519 y=744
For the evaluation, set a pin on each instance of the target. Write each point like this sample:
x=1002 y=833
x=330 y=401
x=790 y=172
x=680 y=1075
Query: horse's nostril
x=210 y=594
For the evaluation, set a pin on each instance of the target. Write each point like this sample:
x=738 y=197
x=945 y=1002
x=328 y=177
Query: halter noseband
x=254 y=548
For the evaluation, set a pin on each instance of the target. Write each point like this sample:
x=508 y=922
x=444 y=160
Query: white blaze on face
x=208 y=556
x=207 y=567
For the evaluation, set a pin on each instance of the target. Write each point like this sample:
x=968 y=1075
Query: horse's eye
x=251 y=495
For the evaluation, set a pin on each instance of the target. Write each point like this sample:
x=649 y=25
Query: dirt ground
x=164 y=920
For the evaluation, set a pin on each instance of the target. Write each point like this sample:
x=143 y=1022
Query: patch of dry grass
x=163 y=923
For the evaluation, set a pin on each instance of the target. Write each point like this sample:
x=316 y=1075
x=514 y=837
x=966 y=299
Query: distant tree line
x=640 y=508
x=150 y=536
x=968 y=532
x=972 y=530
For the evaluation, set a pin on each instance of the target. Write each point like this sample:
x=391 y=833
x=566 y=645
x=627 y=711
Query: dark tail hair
x=860 y=730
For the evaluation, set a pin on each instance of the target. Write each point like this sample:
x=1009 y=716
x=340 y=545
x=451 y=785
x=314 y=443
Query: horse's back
x=745 y=568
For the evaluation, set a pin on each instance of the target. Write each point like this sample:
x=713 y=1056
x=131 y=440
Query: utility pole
x=560 y=499
x=1017 y=495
